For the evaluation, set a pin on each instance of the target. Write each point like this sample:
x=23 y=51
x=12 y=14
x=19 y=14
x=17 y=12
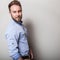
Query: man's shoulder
x=10 y=28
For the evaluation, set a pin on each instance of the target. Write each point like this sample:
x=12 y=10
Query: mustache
x=19 y=17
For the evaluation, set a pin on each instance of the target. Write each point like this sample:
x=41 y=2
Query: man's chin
x=18 y=20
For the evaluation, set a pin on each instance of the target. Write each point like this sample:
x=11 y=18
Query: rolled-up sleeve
x=12 y=44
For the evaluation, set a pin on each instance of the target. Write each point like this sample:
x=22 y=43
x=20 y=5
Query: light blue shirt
x=16 y=36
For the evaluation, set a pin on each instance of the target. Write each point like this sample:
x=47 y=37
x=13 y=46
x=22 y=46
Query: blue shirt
x=16 y=35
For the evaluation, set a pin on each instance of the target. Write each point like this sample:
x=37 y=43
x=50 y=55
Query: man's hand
x=31 y=54
x=20 y=58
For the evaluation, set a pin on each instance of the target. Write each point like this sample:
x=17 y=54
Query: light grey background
x=42 y=19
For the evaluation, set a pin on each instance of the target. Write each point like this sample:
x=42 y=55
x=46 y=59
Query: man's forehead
x=15 y=7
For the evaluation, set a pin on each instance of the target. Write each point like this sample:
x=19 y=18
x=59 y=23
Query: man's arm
x=31 y=53
x=20 y=58
x=12 y=45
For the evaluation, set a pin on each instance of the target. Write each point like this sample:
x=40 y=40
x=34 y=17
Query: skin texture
x=16 y=12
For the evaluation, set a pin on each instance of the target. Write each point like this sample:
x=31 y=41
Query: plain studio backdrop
x=42 y=19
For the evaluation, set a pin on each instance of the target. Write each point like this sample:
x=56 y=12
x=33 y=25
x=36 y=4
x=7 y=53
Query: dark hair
x=14 y=2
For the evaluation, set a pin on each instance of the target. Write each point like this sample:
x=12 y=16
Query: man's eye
x=14 y=11
x=20 y=11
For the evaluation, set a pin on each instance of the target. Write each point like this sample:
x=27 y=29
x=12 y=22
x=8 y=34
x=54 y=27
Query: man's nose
x=17 y=14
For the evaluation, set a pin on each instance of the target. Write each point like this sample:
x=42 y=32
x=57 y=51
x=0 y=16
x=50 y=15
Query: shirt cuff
x=16 y=56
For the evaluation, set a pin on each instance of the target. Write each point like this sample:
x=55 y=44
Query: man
x=16 y=34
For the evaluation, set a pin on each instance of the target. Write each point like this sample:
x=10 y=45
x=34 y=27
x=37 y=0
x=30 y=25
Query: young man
x=16 y=34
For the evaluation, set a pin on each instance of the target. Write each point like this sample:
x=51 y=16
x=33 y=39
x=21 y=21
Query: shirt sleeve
x=12 y=44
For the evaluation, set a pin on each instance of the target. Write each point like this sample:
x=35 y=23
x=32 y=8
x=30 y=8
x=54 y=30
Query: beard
x=18 y=19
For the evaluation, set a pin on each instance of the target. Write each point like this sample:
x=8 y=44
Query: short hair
x=14 y=2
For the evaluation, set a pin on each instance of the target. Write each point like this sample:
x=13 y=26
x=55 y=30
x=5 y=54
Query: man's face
x=16 y=12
